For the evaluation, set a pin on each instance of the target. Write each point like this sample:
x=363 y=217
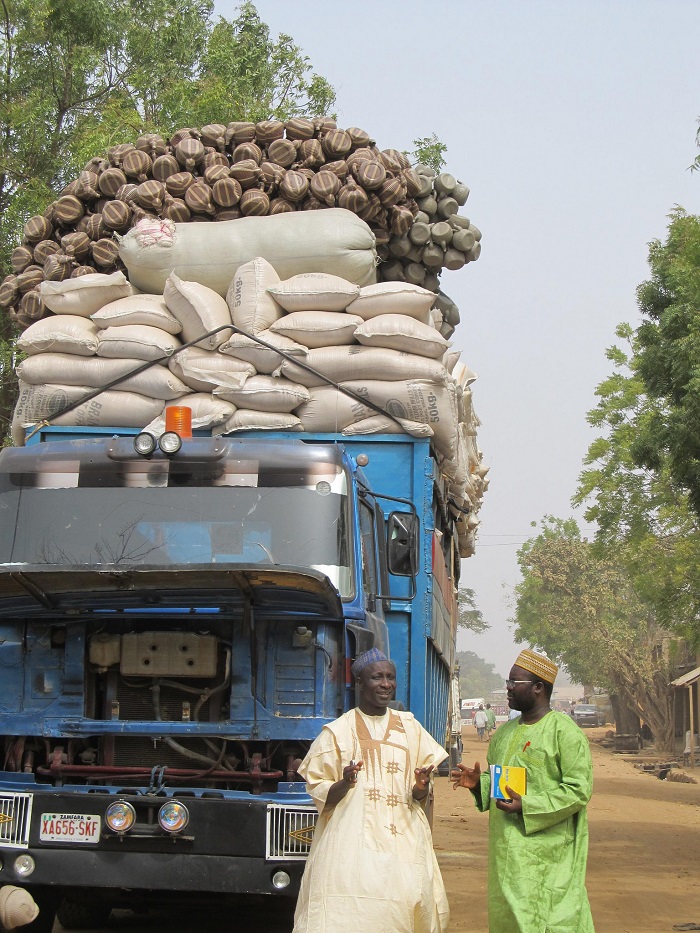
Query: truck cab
x=177 y=624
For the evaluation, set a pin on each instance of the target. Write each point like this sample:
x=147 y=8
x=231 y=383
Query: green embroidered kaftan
x=537 y=859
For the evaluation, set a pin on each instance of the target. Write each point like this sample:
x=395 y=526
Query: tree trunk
x=626 y=720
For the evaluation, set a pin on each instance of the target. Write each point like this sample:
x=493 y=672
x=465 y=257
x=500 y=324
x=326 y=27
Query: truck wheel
x=82 y=915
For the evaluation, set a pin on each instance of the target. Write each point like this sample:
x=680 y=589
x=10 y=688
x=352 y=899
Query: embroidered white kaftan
x=372 y=864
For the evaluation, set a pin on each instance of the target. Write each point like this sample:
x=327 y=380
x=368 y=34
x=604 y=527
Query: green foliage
x=430 y=151
x=470 y=616
x=81 y=75
x=477 y=678
x=641 y=508
x=583 y=609
x=667 y=357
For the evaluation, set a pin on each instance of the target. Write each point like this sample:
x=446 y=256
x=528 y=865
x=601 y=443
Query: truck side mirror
x=402 y=544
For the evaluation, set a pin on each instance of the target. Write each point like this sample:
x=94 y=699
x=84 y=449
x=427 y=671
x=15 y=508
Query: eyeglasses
x=512 y=683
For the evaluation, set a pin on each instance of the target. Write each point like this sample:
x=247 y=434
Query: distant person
x=480 y=720
x=490 y=721
x=372 y=864
x=538 y=842
x=514 y=713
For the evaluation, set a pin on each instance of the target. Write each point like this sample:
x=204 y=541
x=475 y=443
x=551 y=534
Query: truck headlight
x=24 y=866
x=281 y=880
x=144 y=444
x=120 y=816
x=173 y=816
x=170 y=443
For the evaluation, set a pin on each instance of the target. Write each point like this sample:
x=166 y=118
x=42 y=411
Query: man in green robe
x=538 y=841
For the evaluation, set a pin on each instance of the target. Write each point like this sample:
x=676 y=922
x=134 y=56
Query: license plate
x=69 y=827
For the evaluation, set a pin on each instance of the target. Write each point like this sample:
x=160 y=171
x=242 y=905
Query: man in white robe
x=372 y=858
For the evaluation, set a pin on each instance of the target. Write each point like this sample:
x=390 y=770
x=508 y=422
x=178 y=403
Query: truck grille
x=289 y=832
x=15 y=819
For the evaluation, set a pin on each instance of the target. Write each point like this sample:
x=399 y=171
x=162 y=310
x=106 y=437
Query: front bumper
x=230 y=845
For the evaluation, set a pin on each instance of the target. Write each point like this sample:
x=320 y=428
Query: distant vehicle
x=587 y=714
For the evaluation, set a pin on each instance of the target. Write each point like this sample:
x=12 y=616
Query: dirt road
x=643 y=867
x=644 y=858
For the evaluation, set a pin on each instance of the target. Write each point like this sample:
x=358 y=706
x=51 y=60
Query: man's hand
x=466 y=777
x=350 y=772
x=422 y=785
x=514 y=805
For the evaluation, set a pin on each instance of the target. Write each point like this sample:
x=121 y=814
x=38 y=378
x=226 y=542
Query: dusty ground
x=644 y=858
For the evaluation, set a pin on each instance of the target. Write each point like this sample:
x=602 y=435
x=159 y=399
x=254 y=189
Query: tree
x=641 y=508
x=469 y=616
x=669 y=348
x=81 y=75
x=430 y=151
x=583 y=610
x=477 y=678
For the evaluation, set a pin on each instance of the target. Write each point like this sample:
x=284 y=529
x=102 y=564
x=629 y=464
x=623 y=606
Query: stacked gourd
x=226 y=172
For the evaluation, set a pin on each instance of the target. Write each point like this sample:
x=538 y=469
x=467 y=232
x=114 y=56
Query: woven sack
x=37 y=228
x=84 y=295
x=299 y=128
x=265 y=393
x=404 y=333
x=204 y=370
x=118 y=409
x=357 y=362
x=393 y=298
x=239 y=132
x=63 y=333
x=318 y=328
x=199 y=309
x=267 y=131
x=137 y=309
x=243 y=420
x=264 y=360
x=332 y=241
x=135 y=341
x=76 y=245
x=330 y=411
x=383 y=424
x=314 y=291
x=254 y=203
x=252 y=308
x=22 y=256
x=156 y=382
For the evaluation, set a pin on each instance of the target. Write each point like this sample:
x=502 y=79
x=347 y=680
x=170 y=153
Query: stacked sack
x=244 y=170
x=380 y=342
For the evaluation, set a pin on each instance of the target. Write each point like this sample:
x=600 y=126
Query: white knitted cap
x=17 y=907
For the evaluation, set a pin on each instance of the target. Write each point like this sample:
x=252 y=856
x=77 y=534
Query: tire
x=82 y=914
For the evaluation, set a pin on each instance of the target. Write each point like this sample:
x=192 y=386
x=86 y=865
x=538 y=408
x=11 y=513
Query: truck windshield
x=163 y=513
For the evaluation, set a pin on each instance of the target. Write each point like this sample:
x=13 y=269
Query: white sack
x=66 y=369
x=86 y=294
x=136 y=341
x=328 y=411
x=199 y=309
x=63 y=333
x=243 y=420
x=334 y=241
x=265 y=393
x=355 y=362
x=204 y=370
x=118 y=409
x=252 y=308
x=316 y=329
x=417 y=400
x=393 y=298
x=263 y=359
x=138 y=309
x=314 y=291
x=382 y=424
x=403 y=333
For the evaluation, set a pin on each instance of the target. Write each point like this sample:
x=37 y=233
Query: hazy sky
x=573 y=123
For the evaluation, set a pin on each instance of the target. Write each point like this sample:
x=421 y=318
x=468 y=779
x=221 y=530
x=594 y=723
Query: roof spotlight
x=144 y=444
x=170 y=443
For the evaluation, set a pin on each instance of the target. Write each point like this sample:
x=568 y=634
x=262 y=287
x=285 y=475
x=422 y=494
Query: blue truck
x=177 y=623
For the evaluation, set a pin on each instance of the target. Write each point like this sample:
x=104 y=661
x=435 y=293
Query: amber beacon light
x=178 y=418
